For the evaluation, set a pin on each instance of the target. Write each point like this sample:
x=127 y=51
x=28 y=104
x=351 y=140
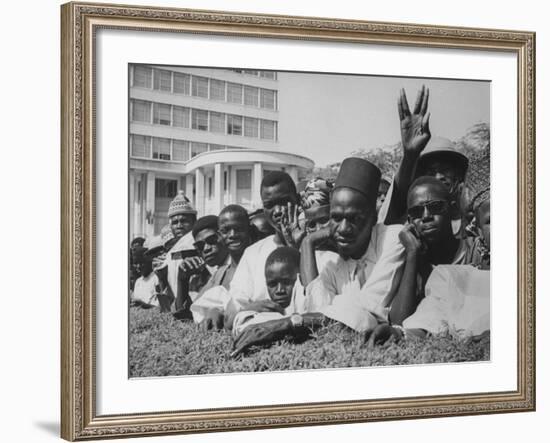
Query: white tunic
x=145 y=289
x=457 y=301
x=249 y=284
x=247 y=318
x=337 y=292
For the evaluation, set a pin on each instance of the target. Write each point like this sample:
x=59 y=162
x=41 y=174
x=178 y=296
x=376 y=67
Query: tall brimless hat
x=440 y=148
x=181 y=205
x=478 y=179
x=361 y=175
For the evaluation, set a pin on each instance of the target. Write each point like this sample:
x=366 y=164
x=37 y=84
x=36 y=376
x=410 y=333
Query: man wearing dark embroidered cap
x=356 y=288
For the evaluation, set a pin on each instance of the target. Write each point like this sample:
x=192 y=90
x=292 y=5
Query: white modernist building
x=211 y=132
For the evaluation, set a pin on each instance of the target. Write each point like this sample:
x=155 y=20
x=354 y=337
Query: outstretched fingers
x=404 y=110
x=425 y=98
x=426 y=123
x=419 y=100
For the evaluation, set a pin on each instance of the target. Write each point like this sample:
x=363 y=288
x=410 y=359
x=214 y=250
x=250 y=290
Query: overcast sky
x=325 y=116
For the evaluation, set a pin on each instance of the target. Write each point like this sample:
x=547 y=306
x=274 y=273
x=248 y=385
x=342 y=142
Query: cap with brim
x=360 y=175
x=441 y=149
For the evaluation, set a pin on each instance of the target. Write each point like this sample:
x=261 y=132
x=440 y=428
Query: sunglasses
x=211 y=240
x=434 y=207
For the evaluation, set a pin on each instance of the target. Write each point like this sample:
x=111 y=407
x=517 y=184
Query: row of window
x=204 y=87
x=202 y=120
x=160 y=148
x=264 y=74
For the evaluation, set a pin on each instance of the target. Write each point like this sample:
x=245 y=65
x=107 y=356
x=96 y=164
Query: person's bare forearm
x=405 y=302
x=308 y=264
x=401 y=182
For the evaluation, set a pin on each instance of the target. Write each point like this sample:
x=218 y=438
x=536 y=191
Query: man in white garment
x=248 y=286
x=182 y=217
x=356 y=288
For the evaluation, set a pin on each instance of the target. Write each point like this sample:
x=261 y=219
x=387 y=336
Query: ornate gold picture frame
x=80 y=23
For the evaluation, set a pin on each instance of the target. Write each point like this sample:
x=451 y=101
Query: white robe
x=337 y=292
x=247 y=318
x=457 y=301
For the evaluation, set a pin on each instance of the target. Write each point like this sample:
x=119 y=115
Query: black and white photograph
x=302 y=220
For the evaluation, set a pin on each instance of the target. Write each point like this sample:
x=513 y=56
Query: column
x=150 y=205
x=293 y=172
x=233 y=185
x=189 y=187
x=218 y=188
x=199 y=191
x=257 y=172
x=132 y=203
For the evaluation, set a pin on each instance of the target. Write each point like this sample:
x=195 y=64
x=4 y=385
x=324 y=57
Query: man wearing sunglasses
x=197 y=274
x=429 y=241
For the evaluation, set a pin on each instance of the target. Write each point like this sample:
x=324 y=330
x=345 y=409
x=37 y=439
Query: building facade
x=212 y=133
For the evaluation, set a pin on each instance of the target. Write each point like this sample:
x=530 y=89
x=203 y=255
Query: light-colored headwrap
x=316 y=193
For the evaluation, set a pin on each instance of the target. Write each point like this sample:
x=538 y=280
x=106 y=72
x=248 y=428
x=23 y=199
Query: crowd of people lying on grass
x=391 y=262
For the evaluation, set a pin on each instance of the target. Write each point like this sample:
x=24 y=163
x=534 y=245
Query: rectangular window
x=143 y=77
x=235 y=93
x=234 y=124
x=180 y=116
x=210 y=187
x=217 y=89
x=217 y=122
x=251 y=127
x=267 y=99
x=244 y=186
x=200 y=86
x=267 y=129
x=225 y=180
x=244 y=178
x=141 y=146
x=162 y=80
x=251 y=72
x=251 y=96
x=214 y=147
x=198 y=148
x=182 y=83
x=165 y=188
x=268 y=74
x=199 y=119
x=180 y=150
x=161 y=114
x=161 y=148
x=141 y=111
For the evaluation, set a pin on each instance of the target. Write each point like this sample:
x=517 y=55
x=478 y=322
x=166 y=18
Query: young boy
x=286 y=294
x=145 y=287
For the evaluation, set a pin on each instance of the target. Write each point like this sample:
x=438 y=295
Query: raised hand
x=415 y=127
x=293 y=233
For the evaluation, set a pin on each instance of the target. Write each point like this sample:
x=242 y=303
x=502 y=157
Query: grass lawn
x=161 y=345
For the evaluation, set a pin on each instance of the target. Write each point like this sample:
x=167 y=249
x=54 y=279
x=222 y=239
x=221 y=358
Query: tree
x=477 y=137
